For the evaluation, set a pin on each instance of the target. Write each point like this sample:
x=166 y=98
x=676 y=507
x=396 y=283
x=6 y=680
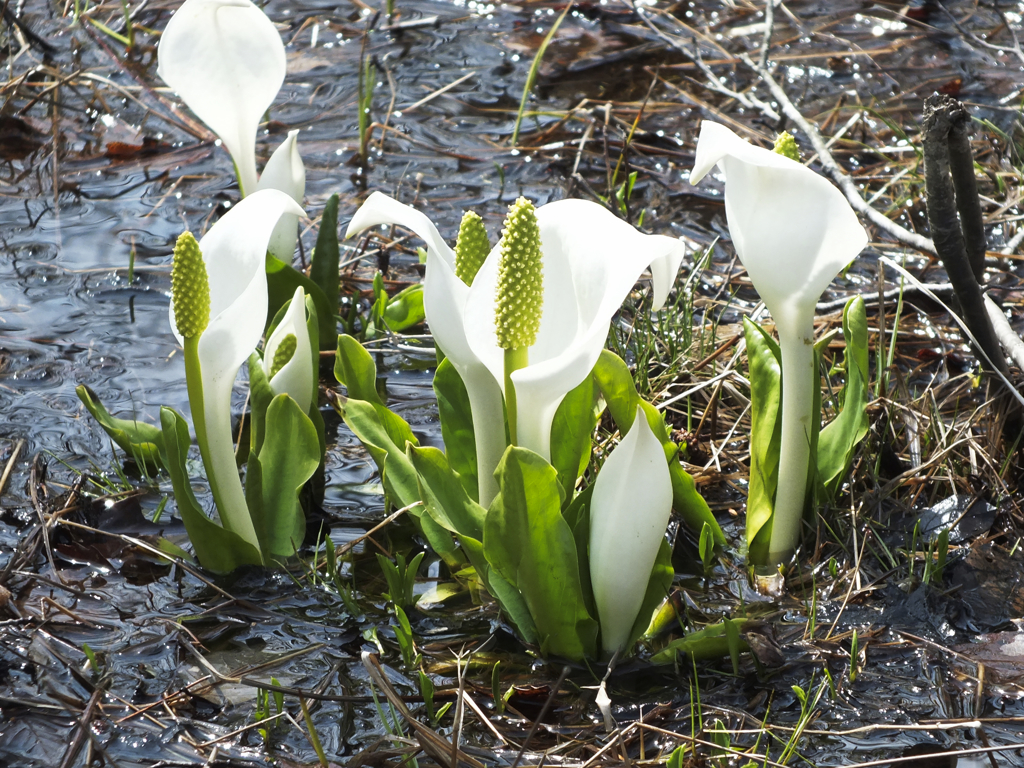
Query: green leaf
x=456 y=425
x=139 y=440
x=530 y=544
x=443 y=494
x=356 y=371
x=217 y=549
x=764 y=360
x=288 y=458
x=260 y=395
x=316 y=483
x=657 y=589
x=405 y=308
x=617 y=388
x=508 y=597
x=577 y=517
x=323 y=265
x=572 y=432
x=282 y=280
x=709 y=643
x=839 y=439
x=382 y=431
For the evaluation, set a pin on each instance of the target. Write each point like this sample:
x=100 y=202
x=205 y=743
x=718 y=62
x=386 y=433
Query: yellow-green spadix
x=794 y=231
x=286 y=358
x=233 y=252
x=591 y=261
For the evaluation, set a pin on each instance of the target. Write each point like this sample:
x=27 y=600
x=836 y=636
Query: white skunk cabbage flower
x=287 y=355
x=794 y=232
x=234 y=252
x=286 y=172
x=226 y=60
x=591 y=261
x=631 y=506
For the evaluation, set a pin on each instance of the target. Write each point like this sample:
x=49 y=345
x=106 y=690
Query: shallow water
x=70 y=222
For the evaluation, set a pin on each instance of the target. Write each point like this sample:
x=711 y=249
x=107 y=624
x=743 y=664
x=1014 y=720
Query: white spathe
x=794 y=231
x=444 y=303
x=226 y=60
x=234 y=251
x=285 y=171
x=591 y=261
x=296 y=376
x=631 y=506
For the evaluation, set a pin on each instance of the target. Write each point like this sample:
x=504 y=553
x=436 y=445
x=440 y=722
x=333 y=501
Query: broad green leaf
x=456 y=425
x=839 y=439
x=617 y=388
x=528 y=541
x=508 y=597
x=619 y=392
x=355 y=369
x=288 y=458
x=572 y=433
x=443 y=494
x=317 y=482
x=380 y=430
x=577 y=517
x=765 y=371
x=217 y=549
x=405 y=308
x=657 y=589
x=141 y=441
x=260 y=395
x=375 y=319
x=709 y=643
x=282 y=280
x=323 y=265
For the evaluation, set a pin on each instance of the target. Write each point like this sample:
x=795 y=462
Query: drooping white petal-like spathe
x=234 y=251
x=630 y=510
x=592 y=260
x=444 y=303
x=296 y=376
x=227 y=62
x=285 y=171
x=794 y=231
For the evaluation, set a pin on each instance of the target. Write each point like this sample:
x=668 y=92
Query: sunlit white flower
x=631 y=506
x=295 y=377
x=286 y=172
x=591 y=261
x=794 y=231
x=234 y=251
x=226 y=60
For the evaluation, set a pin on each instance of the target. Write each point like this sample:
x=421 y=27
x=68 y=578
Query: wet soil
x=111 y=656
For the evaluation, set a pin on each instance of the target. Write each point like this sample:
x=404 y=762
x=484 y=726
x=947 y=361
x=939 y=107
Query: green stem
x=197 y=404
x=514 y=360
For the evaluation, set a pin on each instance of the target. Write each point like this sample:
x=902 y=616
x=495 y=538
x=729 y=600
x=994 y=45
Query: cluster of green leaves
x=286 y=450
x=529 y=547
x=281 y=436
x=832 y=448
